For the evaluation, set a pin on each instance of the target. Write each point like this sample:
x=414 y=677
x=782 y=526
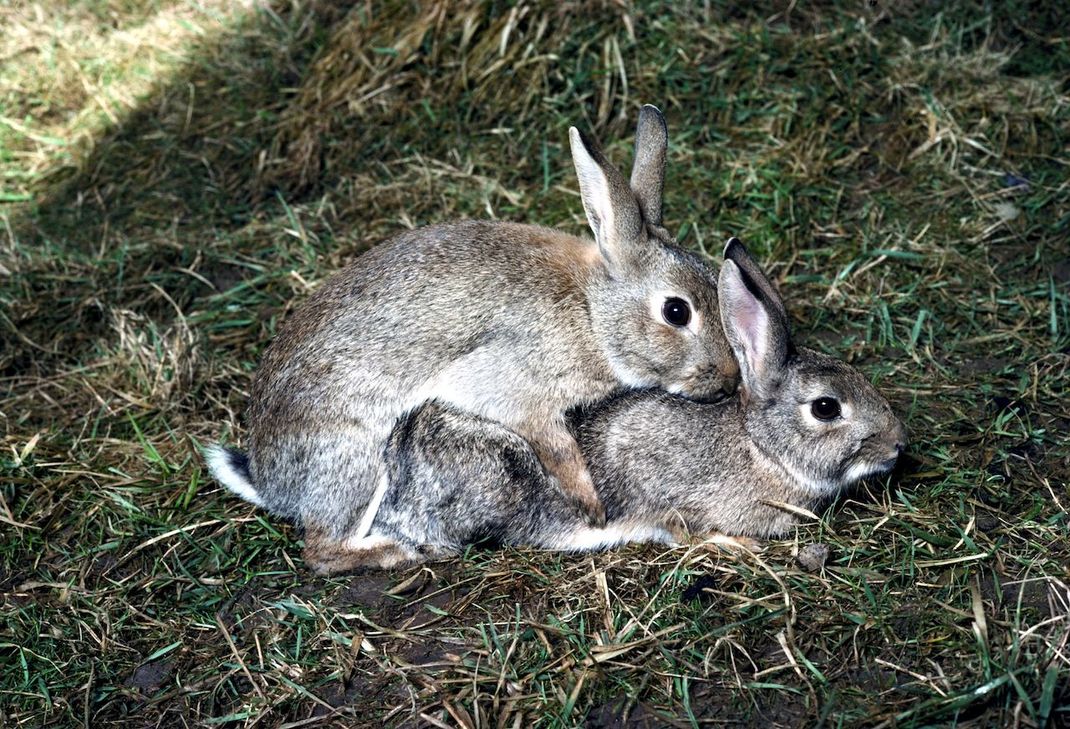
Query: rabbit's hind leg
x=327 y=555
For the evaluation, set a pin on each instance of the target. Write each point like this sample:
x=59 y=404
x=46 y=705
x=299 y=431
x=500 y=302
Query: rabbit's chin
x=868 y=469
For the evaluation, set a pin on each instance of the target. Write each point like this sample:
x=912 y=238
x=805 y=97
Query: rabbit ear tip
x=650 y=116
x=577 y=137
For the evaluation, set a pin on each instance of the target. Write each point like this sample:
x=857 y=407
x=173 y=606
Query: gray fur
x=648 y=170
x=513 y=324
x=663 y=465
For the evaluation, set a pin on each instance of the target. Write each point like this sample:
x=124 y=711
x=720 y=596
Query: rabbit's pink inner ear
x=611 y=208
x=746 y=323
x=594 y=190
x=753 y=326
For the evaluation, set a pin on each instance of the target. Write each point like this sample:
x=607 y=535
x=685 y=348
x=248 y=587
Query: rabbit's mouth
x=887 y=464
x=877 y=456
x=707 y=397
x=705 y=384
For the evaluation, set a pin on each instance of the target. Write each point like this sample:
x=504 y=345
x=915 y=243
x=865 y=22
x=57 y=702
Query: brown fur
x=326 y=555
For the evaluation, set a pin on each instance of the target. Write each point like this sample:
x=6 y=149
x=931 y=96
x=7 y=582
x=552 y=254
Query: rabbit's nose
x=899 y=437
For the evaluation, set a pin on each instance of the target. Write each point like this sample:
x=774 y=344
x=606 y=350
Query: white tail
x=222 y=466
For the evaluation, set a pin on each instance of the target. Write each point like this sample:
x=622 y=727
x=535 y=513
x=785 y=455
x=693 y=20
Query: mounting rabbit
x=803 y=427
x=512 y=323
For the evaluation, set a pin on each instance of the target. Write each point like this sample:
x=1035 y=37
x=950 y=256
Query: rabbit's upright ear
x=755 y=327
x=648 y=169
x=735 y=251
x=612 y=210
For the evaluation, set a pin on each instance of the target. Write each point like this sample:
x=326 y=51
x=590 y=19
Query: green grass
x=174 y=179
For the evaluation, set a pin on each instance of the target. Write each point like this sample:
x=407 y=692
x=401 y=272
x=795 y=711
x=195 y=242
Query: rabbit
x=512 y=323
x=801 y=428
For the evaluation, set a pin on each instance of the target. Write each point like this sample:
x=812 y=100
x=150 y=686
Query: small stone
x=148 y=678
x=812 y=557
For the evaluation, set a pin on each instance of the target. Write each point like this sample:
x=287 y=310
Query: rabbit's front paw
x=593 y=509
x=576 y=486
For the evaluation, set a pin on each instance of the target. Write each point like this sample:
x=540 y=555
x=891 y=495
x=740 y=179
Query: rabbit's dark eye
x=825 y=408
x=676 y=312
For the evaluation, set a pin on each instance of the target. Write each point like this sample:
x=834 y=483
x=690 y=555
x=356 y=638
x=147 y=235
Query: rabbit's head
x=815 y=416
x=655 y=312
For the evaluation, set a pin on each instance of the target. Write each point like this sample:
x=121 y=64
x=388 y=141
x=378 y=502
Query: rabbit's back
x=663 y=457
x=408 y=310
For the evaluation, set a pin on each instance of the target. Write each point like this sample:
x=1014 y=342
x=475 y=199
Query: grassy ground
x=176 y=176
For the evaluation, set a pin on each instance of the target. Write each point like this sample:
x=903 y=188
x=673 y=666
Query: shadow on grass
x=191 y=156
x=142 y=223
